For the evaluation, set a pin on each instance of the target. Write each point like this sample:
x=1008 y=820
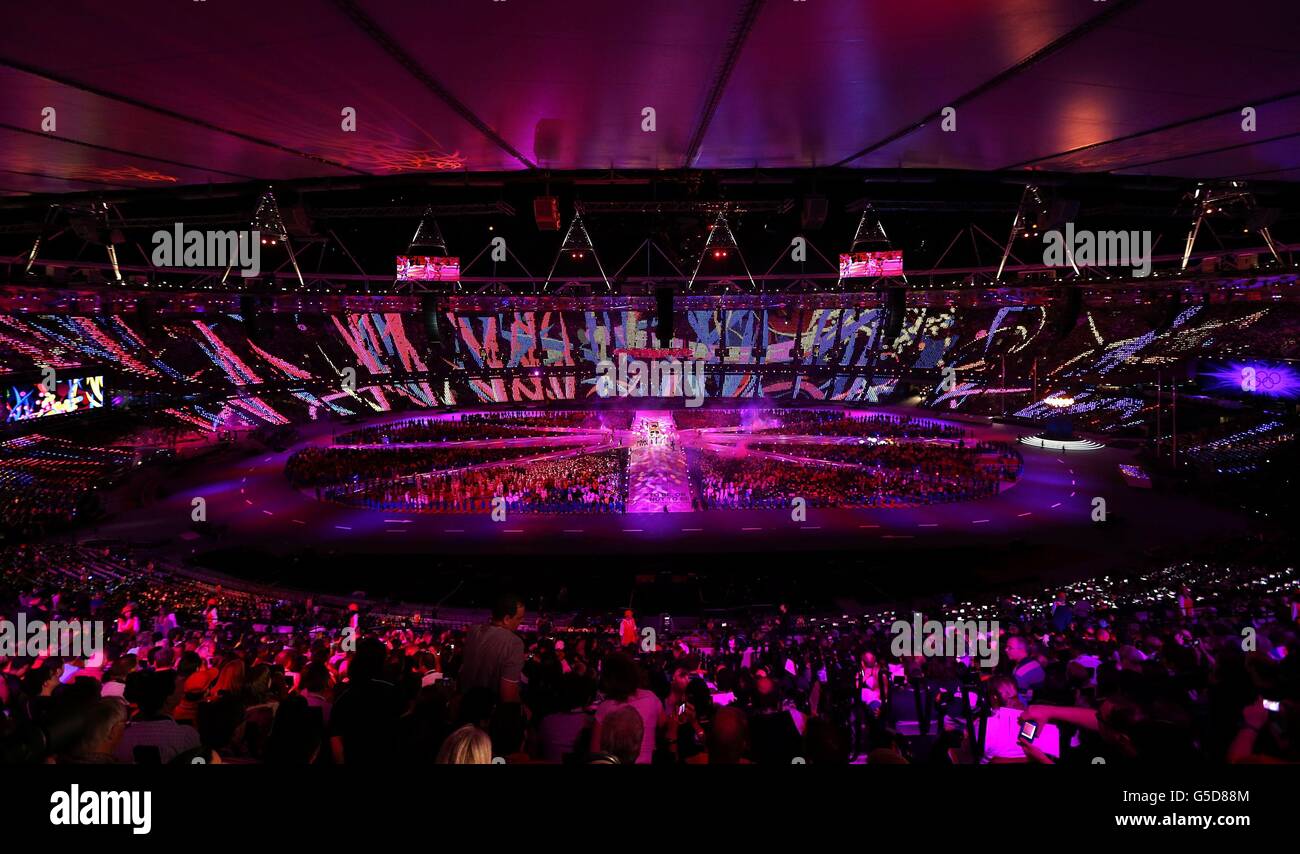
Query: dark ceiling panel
x=159 y=91
x=31 y=154
x=566 y=83
x=1261 y=160
x=819 y=81
x=94 y=134
x=1219 y=138
x=279 y=72
x=1160 y=62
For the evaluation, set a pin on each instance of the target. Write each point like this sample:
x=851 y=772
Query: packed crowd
x=712 y=418
x=581 y=482
x=322 y=466
x=1241 y=449
x=816 y=422
x=951 y=463
x=820 y=422
x=584 y=419
x=1189 y=663
x=826 y=475
x=47 y=484
x=469 y=428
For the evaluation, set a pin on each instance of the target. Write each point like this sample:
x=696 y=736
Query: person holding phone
x=1266 y=725
x=1010 y=737
x=682 y=729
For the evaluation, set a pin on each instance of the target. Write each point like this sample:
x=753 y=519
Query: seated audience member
x=621 y=738
x=1003 y=742
x=728 y=739
x=621 y=683
x=827 y=743
x=468 y=745
x=775 y=737
x=296 y=734
x=151 y=737
x=102 y=729
x=561 y=733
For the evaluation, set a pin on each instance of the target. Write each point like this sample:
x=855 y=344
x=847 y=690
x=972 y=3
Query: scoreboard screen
x=427 y=268
x=857 y=265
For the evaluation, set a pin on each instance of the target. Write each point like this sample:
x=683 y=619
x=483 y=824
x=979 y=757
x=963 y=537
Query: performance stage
x=1049 y=508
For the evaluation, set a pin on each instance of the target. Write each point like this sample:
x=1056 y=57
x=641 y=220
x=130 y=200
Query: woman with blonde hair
x=468 y=745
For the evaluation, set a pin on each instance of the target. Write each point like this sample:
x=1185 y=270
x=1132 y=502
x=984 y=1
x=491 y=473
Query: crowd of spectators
x=834 y=422
x=475 y=427
x=816 y=422
x=713 y=418
x=1241 y=448
x=1188 y=663
x=48 y=484
x=835 y=475
x=323 y=466
x=578 y=482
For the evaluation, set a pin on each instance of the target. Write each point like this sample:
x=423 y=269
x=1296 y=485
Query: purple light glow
x=1270 y=379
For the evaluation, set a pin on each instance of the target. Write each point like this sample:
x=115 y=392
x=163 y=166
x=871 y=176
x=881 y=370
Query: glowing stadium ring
x=1059 y=400
x=1061 y=444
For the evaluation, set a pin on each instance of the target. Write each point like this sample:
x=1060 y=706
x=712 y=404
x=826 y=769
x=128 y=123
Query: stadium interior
x=629 y=313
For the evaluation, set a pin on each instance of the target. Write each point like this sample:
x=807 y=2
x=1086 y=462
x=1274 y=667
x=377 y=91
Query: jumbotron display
x=855 y=265
x=1250 y=379
x=30 y=401
x=427 y=268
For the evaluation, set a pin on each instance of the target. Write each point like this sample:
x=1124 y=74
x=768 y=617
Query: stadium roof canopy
x=151 y=93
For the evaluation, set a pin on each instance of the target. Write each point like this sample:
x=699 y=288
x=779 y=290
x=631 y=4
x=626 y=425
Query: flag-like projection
x=64 y=396
x=823 y=343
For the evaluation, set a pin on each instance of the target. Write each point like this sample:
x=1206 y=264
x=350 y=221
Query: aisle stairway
x=657 y=475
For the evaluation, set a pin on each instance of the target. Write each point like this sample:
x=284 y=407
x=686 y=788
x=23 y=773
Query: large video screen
x=427 y=268
x=825 y=341
x=29 y=401
x=858 y=265
x=1251 y=379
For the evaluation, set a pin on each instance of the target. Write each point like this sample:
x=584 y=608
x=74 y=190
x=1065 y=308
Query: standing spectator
x=1062 y=613
x=363 y=721
x=1025 y=666
x=494 y=654
x=627 y=631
